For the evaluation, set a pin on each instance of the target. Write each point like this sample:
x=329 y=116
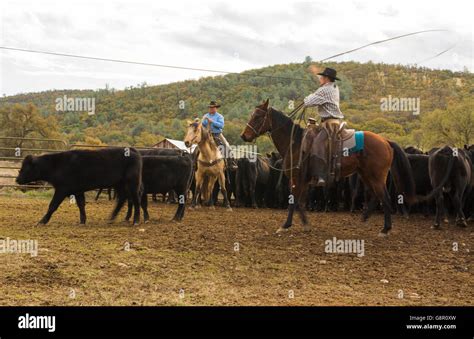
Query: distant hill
x=143 y=114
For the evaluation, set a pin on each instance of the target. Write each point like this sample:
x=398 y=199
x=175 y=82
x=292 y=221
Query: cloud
x=214 y=34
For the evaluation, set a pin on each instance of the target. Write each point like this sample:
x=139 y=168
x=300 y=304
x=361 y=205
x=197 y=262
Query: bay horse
x=210 y=164
x=373 y=164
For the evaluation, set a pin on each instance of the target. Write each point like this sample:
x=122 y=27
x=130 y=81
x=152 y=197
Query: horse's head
x=258 y=124
x=193 y=133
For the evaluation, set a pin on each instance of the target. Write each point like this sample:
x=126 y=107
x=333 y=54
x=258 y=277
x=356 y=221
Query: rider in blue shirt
x=216 y=121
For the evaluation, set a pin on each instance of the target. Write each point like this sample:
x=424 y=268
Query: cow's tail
x=402 y=174
x=438 y=188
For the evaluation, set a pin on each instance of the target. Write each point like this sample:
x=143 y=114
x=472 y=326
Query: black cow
x=469 y=204
x=77 y=171
x=421 y=176
x=109 y=194
x=450 y=171
x=150 y=151
x=357 y=189
x=162 y=151
x=251 y=181
x=168 y=196
x=325 y=199
x=162 y=174
x=413 y=150
x=278 y=189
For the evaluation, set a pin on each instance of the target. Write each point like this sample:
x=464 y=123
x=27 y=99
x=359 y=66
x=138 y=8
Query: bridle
x=195 y=136
x=267 y=113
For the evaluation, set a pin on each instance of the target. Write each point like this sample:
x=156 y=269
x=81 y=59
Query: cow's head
x=258 y=124
x=193 y=133
x=29 y=171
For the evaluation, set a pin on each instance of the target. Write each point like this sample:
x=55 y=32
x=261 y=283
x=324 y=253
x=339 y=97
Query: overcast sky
x=222 y=35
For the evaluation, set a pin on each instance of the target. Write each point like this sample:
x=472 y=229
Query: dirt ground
x=216 y=257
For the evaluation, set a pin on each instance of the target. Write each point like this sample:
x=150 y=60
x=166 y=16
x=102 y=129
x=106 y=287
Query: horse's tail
x=402 y=174
x=438 y=188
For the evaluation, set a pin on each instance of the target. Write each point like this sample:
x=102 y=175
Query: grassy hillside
x=141 y=115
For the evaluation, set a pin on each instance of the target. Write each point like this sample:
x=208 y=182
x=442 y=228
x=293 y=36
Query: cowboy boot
x=318 y=171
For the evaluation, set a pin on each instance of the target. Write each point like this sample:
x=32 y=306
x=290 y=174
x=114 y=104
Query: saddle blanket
x=355 y=143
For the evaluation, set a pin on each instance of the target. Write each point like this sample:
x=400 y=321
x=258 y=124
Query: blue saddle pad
x=359 y=142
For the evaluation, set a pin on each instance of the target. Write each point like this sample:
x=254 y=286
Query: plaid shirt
x=326 y=98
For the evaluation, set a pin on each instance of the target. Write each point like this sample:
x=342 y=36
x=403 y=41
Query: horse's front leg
x=210 y=192
x=294 y=200
x=289 y=218
x=197 y=190
x=300 y=194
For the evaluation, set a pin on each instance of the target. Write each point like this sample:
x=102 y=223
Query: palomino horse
x=373 y=164
x=210 y=164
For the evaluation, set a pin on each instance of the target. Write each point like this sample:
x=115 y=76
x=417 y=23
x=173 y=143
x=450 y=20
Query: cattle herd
x=443 y=179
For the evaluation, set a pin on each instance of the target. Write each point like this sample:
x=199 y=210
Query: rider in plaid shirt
x=326 y=98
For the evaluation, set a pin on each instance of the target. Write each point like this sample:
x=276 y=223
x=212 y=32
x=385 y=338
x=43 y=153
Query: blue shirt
x=217 y=122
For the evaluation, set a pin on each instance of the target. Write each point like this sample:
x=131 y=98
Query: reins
x=259 y=132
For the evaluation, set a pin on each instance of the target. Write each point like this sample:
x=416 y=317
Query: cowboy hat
x=330 y=73
x=214 y=104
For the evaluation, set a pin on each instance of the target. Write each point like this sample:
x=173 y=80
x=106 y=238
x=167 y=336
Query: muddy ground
x=216 y=257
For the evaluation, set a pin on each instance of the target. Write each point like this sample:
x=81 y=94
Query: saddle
x=339 y=144
x=340 y=141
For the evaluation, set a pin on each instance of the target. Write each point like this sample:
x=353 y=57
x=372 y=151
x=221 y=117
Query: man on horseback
x=326 y=98
x=216 y=121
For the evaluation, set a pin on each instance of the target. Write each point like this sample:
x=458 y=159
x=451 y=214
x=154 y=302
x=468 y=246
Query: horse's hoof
x=146 y=221
x=461 y=223
x=383 y=234
x=281 y=229
x=136 y=223
x=435 y=227
x=229 y=209
x=446 y=220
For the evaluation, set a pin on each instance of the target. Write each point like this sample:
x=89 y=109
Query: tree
x=453 y=126
x=25 y=121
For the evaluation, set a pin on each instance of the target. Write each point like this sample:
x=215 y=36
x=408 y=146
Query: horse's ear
x=189 y=122
x=265 y=104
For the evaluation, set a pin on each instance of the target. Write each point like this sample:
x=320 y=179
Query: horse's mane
x=206 y=137
x=283 y=120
